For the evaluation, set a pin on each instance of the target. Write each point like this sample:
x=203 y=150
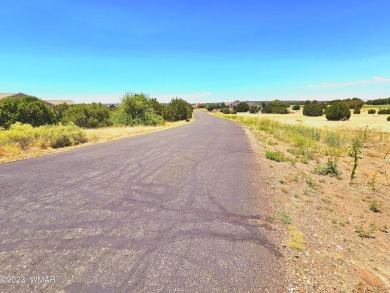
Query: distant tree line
x=215 y=106
x=135 y=109
x=350 y=103
x=379 y=102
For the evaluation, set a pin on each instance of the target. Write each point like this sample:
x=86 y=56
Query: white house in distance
x=49 y=103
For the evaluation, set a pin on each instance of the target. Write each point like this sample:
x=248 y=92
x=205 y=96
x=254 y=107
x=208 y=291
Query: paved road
x=177 y=210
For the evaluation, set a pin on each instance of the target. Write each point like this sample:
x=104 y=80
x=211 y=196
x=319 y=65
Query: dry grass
x=296 y=238
x=98 y=135
x=14 y=152
x=357 y=121
x=346 y=224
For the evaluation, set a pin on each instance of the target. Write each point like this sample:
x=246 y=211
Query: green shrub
x=242 y=107
x=253 y=109
x=26 y=110
x=330 y=167
x=156 y=106
x=356 y=111
x=59 y=110
x=85 y=115
x=234 y=111
x=275 y=107
x=338 y=111
x=384 y=111
x=371 y=111
x=296 y=107
x=388 y=118
x=225 y=111
x=178 y=109
x=138 y=109
x=313 y=109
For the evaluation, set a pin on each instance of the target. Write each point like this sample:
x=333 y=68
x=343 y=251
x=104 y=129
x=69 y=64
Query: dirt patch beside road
x=334 y=234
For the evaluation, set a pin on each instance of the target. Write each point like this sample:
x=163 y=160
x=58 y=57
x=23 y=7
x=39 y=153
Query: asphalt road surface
x=180 y=210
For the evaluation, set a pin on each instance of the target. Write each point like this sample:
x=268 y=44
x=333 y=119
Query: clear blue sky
x=199 y=50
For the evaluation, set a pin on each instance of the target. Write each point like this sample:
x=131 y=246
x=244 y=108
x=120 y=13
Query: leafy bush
x=253 y=109
x=296 y=107
x=137 y=109
x=275 y=107
x=388 y=118
x=86 y=115
x=234 y=111
x=371 y=111
x=356 y=111
x=225 y=111
x=313 y=109
x=156 y=106
x=59 y=110
x=329 y=168
x=28 y=110
x=178 y=109
x=384 y=111
x=338 y=111
x=242 y=107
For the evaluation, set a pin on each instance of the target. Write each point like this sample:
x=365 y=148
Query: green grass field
x=375 y=106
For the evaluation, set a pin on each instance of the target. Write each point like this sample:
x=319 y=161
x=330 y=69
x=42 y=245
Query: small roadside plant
x=356 y=149
x=225 y=111
x=364 y=232
x=356 y=111
x=234 y=111
x=296 y=107
x=330 y=167
x=371 y=111
x=296 y=238
x=388 y=118
x=276 y=156
x=375 y=207
x=285 y=218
